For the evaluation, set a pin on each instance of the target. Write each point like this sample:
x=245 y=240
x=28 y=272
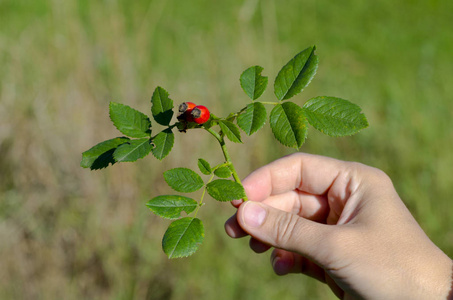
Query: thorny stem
x=226 y=154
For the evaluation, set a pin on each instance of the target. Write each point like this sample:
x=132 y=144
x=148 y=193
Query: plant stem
x=226 y=154
x=215 y=134
x=270 y=103
x=202 y=197
x=169 y=127
x=239 y=112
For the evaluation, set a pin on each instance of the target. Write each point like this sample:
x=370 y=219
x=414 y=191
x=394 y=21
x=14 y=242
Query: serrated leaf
x=129 y=121
x=183 y=180
x=253 y=83
x=289 y=124
x=296 y=74
x=253 y=118
x=335 y=116
x=223 y=172
x=171 y=206
x=162 y=108
x=225 y=190
x=132 y=150
x=163 y=143
x=183 y=237
x=204 y=166
x=231 y=131
x=101 y=155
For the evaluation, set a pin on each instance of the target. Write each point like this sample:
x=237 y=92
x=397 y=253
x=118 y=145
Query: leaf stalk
x=226 y=154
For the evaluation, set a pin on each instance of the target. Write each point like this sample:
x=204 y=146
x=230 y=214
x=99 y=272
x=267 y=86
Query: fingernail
x=254 y=214
x=275 y=261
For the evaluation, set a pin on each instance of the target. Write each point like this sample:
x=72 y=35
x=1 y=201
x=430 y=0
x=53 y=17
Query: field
x=70 y=233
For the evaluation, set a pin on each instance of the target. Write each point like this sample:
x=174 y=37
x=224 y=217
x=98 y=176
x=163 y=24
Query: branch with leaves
x=289 y=123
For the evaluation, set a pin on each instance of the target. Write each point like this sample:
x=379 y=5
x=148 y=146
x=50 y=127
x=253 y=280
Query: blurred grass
x=70 y=233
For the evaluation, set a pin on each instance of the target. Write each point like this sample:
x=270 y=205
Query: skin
x=341 y=223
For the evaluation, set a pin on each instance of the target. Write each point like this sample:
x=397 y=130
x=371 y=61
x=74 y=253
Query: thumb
x=281 y=229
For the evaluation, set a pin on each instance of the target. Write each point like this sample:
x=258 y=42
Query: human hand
x=342 y=223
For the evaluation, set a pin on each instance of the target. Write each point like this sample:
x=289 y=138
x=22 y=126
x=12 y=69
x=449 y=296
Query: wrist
x=436 y=282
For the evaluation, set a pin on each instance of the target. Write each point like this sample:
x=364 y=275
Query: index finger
x=308 y=173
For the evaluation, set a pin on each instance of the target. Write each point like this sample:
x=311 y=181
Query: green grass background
x=68 y=233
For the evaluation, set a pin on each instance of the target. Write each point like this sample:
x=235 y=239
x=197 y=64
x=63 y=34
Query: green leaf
x=225 y=190
x=209 y=123
x=163 y=143
x=253 y=118
x=204 y=166
x=231 y=131
x=171 y=206
x=289 y=124
x=101 y=155
x=183 y=237
x=223 y=172
x=335 y=116
x=162 y=108
x=129 y=121
x=296 y=74
x=183 y=180
x=132 y=150
x=253 y=83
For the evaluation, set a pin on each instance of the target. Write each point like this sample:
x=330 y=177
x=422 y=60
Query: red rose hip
x=185 y=111
x=200 y=114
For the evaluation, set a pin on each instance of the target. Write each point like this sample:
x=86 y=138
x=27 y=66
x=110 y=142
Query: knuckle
x=384 y=177
x=358 y=170
x=372 y=171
